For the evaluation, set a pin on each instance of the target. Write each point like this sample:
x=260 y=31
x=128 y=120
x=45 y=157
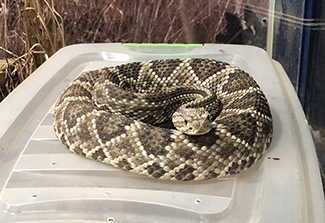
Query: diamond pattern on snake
x=175 y=119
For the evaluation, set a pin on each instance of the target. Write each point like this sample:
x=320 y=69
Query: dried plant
x=38 y=30
x=32 y=30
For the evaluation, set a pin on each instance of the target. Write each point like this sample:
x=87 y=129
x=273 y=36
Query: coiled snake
x=118 y=115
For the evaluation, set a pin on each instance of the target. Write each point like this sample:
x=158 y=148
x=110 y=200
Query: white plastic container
x=41 y=181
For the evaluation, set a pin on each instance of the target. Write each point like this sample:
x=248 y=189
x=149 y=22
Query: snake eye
x=185 y=121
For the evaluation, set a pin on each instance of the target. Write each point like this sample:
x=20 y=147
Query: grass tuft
x=37 y=30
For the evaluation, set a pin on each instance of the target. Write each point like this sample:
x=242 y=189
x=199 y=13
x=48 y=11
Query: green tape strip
x=162 y=44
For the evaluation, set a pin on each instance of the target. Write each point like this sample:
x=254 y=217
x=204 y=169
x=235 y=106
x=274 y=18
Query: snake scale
x=121 y=115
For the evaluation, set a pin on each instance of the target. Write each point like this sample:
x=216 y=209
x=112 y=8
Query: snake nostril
x=185 y=121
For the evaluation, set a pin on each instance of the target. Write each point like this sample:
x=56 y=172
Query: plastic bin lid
x=41 y=181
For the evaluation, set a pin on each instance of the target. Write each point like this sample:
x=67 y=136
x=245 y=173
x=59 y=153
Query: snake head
x=192 y=121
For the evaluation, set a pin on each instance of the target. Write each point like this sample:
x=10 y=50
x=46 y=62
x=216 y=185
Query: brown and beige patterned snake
x=222 y=122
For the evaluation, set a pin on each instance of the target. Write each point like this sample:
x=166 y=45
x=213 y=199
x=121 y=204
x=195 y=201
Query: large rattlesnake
x=118 y=115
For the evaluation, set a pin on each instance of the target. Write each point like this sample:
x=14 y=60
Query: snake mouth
x=192 y=121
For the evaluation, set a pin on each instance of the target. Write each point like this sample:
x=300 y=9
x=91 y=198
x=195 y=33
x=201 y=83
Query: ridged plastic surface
x=40 y=180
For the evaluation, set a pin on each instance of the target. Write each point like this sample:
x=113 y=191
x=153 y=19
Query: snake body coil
x=116 y=115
